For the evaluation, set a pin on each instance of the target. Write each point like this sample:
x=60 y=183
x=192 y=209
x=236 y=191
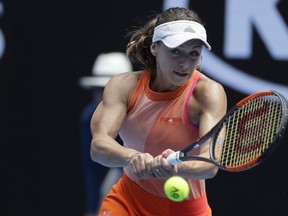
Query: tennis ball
x=176 y=188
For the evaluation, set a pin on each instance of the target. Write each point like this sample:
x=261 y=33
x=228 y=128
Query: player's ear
x=153 y=49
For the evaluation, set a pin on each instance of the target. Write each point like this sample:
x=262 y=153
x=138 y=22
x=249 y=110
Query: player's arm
x=211 y=101
x=106 y=123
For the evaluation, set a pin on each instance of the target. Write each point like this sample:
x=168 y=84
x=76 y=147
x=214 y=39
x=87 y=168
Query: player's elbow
x=208 y=171
x=212 y=173
x=95 y=150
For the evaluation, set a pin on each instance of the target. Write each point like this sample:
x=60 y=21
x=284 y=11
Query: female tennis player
x=157 y=111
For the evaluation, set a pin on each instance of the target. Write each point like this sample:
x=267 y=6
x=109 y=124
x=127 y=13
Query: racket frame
x=181 y=156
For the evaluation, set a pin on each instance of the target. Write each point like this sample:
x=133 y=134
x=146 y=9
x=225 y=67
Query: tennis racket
x=245 y=136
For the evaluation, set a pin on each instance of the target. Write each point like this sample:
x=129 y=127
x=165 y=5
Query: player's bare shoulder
x=123 y=85
x=209 y=91
x=125 y=81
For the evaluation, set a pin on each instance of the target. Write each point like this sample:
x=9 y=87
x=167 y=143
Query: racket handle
x=174 y=158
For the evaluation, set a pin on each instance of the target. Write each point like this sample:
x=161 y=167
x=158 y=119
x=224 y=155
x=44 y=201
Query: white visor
x=175 y=33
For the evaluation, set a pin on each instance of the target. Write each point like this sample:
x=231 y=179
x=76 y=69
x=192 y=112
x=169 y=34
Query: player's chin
x=180 y=78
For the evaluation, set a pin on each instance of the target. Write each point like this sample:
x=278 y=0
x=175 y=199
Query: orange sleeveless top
x=158 y=121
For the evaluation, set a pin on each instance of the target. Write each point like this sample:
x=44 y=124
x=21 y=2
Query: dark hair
x=138 y=48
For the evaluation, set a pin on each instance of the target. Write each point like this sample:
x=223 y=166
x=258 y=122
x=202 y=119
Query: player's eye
x=195 y=53
x=175 y=52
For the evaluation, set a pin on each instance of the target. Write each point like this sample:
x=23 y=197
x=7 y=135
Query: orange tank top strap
x=144 y=82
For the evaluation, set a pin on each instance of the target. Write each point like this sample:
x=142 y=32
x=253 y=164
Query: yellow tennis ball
x=176 y=188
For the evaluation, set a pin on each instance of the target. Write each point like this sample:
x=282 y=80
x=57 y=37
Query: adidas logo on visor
x=189 y=29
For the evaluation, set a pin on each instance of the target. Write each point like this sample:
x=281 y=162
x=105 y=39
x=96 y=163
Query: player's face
x=175 y=66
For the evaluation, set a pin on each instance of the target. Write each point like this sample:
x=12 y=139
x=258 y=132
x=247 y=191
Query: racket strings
x=250 y=131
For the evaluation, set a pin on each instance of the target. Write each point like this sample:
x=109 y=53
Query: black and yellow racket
x=245 y=136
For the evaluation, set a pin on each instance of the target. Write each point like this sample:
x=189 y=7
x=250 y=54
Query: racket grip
x=174 y=158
